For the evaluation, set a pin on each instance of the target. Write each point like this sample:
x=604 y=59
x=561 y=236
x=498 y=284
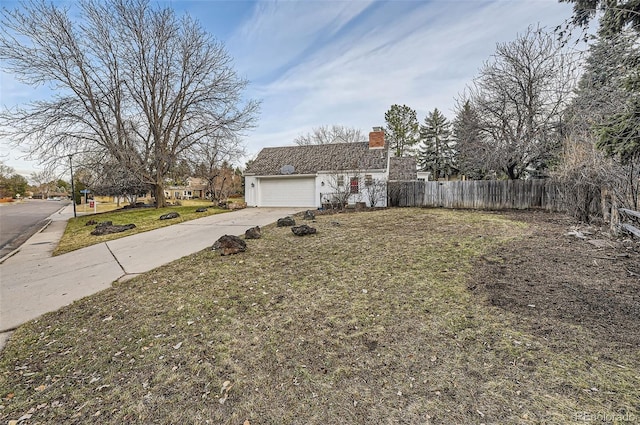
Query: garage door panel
x=287 y=192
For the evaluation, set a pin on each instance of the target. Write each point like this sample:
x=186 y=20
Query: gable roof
x=310 y=159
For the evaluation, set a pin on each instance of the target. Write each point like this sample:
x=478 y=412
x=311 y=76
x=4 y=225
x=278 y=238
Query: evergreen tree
x=617 y=15
x=619 y=134
x=403 y=130
x=599 y=150
x=470 y=155
x=436 y=152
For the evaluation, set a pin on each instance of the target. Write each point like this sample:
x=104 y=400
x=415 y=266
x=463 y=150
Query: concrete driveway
x=33 y=283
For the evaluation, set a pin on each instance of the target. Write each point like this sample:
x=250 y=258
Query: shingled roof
x=310 y=159
x=403 y=168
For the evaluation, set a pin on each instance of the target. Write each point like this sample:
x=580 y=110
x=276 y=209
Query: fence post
x=614 y=224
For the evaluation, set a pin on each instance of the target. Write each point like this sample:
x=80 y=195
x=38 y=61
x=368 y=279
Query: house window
x=368 y=179
x=354 y=186
x=340 y=181
x=187 y=194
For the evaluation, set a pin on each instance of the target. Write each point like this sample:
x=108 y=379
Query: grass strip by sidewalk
x=78 y=235
x=368 y=321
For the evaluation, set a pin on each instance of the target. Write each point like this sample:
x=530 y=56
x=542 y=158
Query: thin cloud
x=422 y=56
x=281 y=33
x=346 y=62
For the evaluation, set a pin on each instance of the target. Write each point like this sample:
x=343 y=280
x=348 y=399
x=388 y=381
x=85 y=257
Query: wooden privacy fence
x=477 y=194
x=627 y=226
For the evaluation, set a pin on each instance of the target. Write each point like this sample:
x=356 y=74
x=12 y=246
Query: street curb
x=47 y=221
x=15 y=251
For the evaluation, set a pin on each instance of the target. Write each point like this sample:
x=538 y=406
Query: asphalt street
x=20 y=220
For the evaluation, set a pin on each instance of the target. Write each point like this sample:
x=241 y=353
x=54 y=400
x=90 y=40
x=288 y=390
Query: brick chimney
x=376 y=138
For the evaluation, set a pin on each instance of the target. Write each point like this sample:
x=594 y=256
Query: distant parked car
x=55 y=198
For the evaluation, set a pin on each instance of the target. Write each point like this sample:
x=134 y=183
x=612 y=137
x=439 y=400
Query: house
x=313 y=176
x=194 y=188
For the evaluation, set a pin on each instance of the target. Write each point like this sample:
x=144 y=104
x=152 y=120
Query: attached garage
x=287 y=192
x=297 y=176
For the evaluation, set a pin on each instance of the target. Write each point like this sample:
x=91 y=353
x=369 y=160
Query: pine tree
x=402 y=131
x=470 y=155
x=436 y=151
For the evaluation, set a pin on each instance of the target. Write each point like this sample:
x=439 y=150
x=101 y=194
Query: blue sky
x=324 y=62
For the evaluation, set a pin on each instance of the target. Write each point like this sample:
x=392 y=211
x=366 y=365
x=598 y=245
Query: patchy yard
x=78 y=235
x=395 y=316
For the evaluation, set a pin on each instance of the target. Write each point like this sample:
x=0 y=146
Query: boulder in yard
x=253 y=233
x=286 y=222
x=309 y=215
x=228 y=245
x=169 y=216
x=91 y=223
x=236 y=205
x=201 y=210
x=107 y=229
x=303 y=230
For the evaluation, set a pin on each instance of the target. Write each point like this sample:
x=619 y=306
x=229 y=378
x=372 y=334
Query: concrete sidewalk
x=33 y=283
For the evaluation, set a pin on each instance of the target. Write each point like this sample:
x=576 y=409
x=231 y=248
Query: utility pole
x=73 y=189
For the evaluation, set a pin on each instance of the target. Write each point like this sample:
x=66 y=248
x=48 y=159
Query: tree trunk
x=511 y=172
x=159 y=195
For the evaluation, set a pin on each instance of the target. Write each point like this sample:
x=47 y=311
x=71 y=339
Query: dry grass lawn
x=78 y=235
x=369 y=321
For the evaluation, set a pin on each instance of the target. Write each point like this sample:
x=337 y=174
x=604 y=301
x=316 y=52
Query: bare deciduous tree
x=133 y=83
x=519 y=98
x=375 y=191
x=330 y=134
x=340 y=189
x=211 y=163
x=44 y=180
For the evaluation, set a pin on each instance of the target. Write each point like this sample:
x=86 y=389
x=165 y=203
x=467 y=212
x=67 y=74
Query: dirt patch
x=562 y=276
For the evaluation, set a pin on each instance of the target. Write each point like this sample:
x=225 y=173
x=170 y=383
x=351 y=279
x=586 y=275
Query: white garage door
x=288 y=192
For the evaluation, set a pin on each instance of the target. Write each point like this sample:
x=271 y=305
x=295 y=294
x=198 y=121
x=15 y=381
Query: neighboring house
x=193 y=189
x=313 y=175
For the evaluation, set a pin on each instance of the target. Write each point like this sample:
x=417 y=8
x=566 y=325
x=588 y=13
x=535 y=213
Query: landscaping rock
x=228 y=245
x=253 y=233
x=169 y=216
x=309 y=215
x=236 y=205
x=303 y=230
x=202 y=210
x=107 y=229
x=91 y=223
x=286 y=222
